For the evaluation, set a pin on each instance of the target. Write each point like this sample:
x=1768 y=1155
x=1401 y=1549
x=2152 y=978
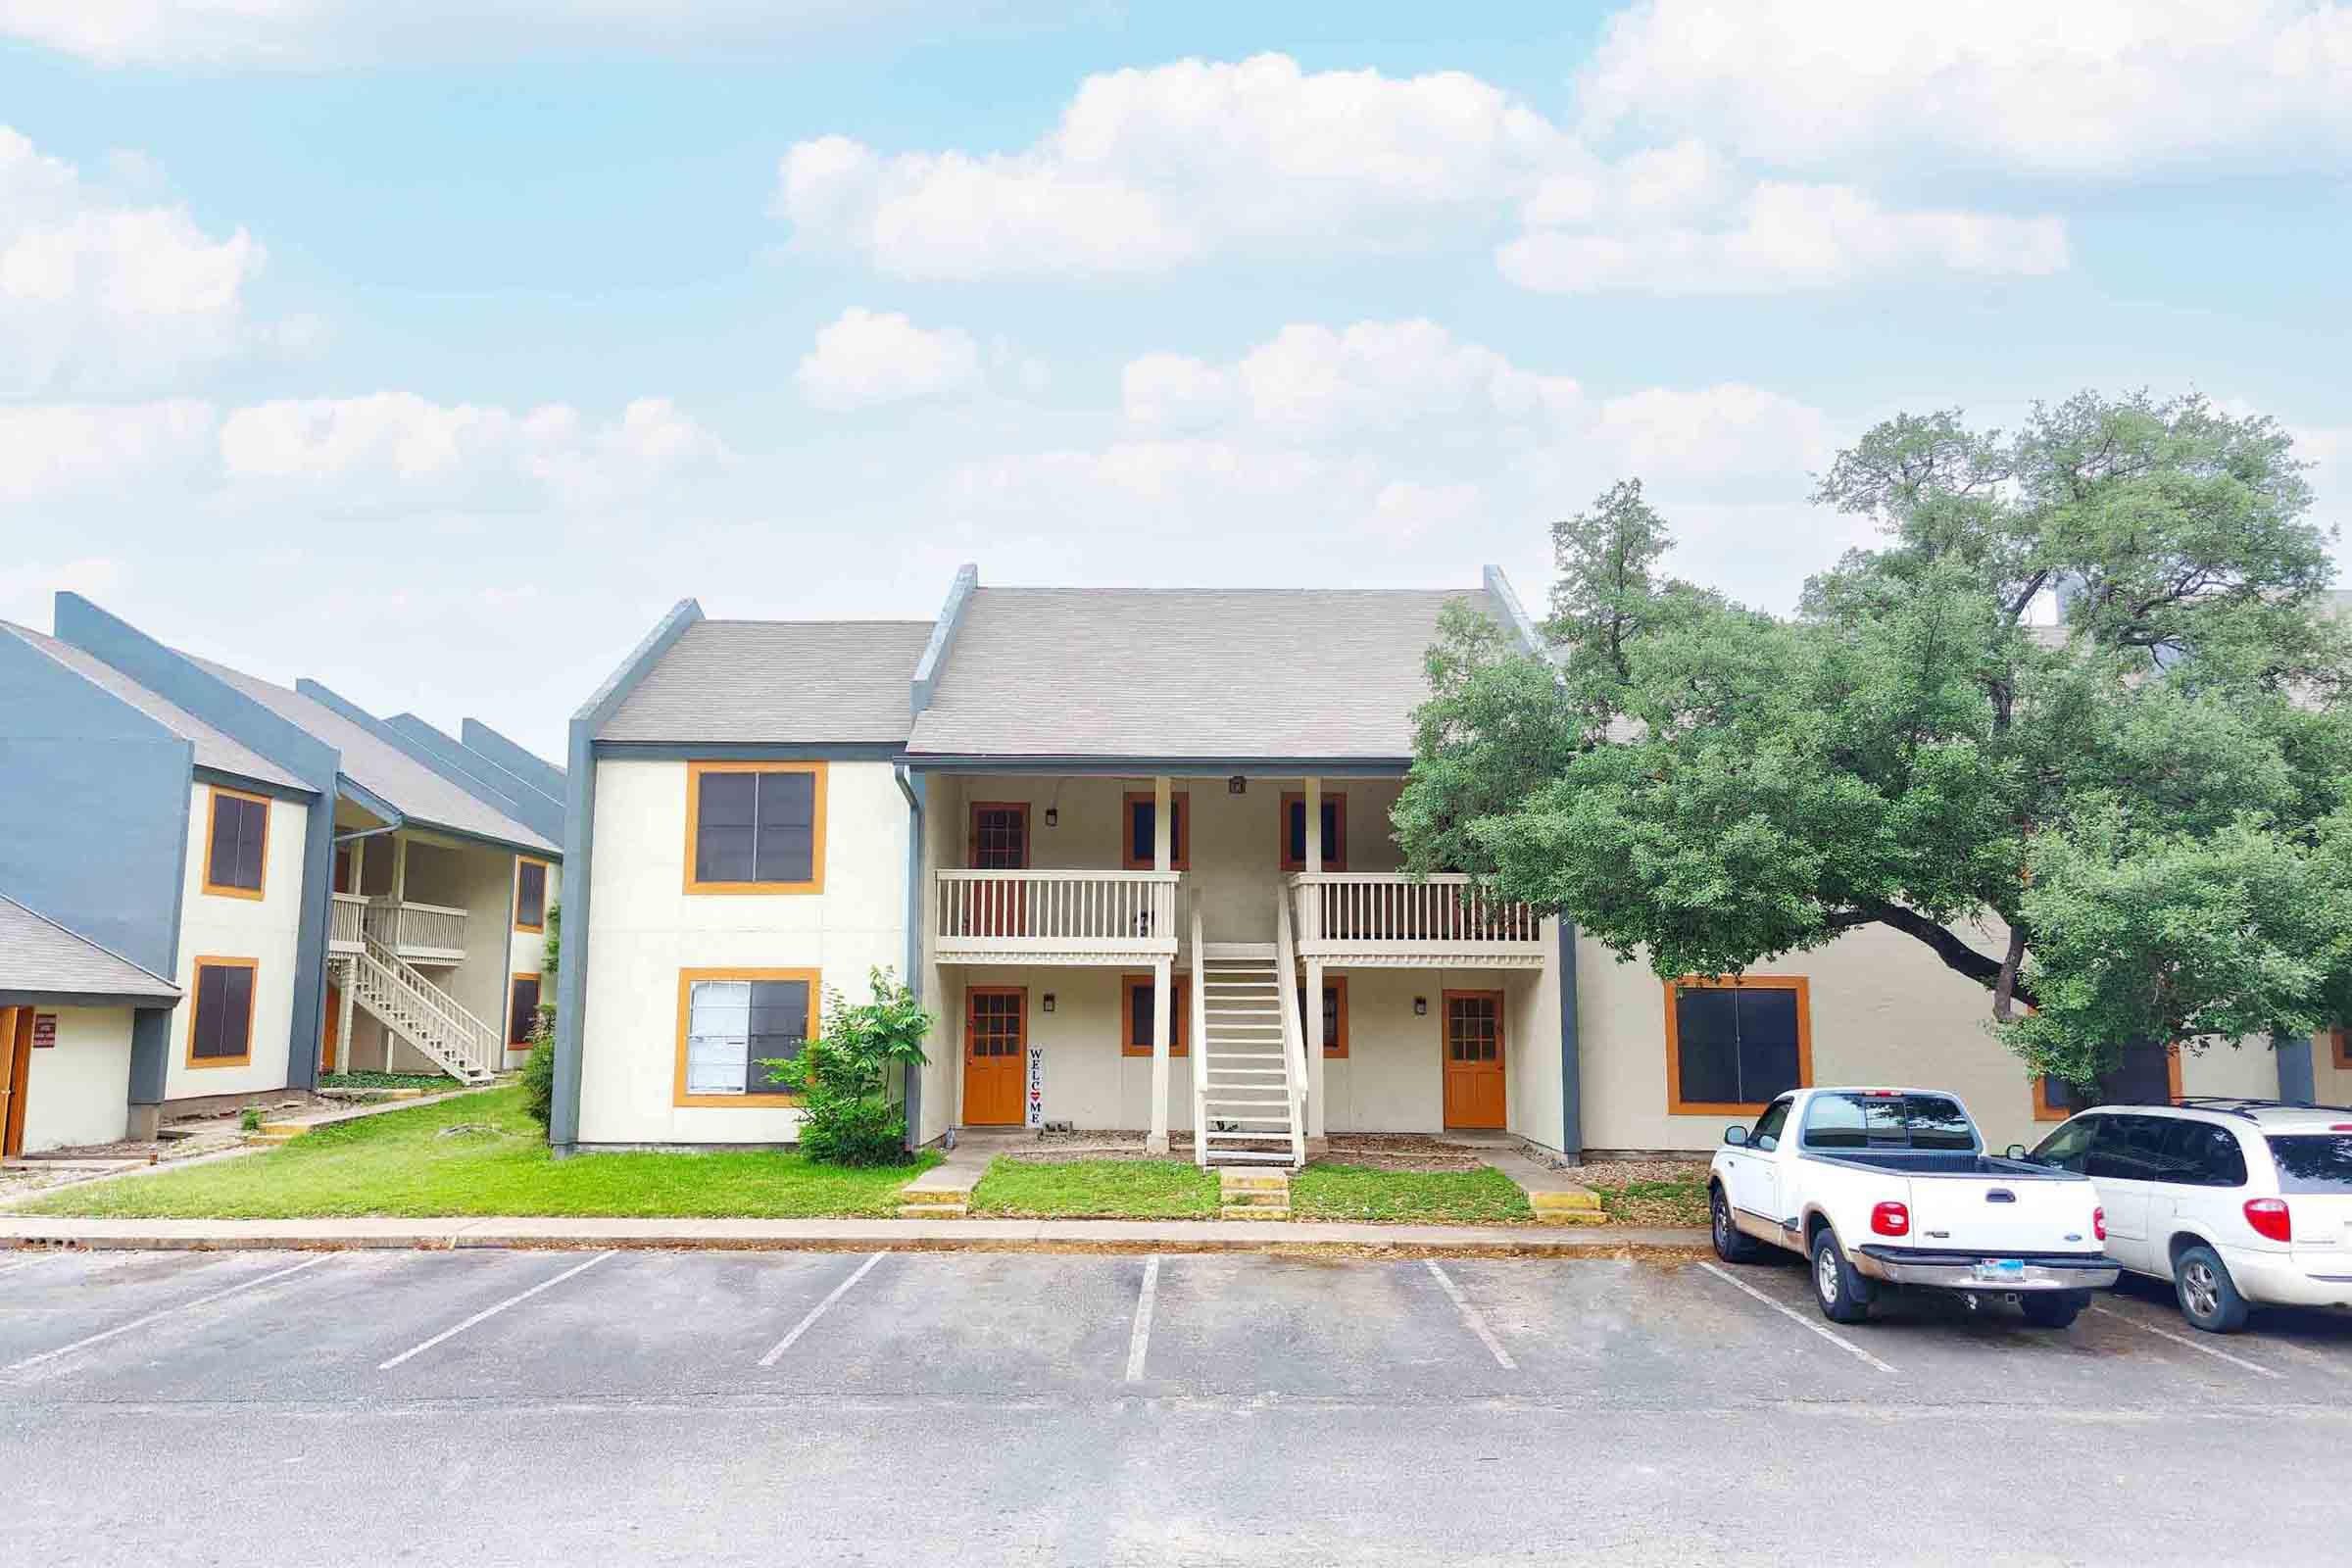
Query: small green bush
x=843 y=1076
x=539 y=1077
x=250 y=1120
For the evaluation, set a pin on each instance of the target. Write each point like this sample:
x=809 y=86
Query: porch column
x=1163 y=852
x=400 y=868
x=1313 y=789
x=1314 y=1002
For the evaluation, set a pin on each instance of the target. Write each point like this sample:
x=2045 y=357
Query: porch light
x=1237 y=785
x=1048 y=1003
x=1420 y=1007
x=1053 y=816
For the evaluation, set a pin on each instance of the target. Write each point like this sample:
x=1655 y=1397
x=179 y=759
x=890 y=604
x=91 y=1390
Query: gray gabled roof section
x=214 y=750
x=1170 y=673
x=528 y=765
x=775 y=682
x=41 y=957
x=477 y=777
x=418 y=793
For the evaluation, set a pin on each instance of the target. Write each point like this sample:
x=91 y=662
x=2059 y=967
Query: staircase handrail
x=1198 y=1046
x=476 y=1036
x=1286 y=965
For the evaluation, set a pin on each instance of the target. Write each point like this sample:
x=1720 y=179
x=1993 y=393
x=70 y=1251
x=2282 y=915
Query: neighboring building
x=1115 y=838
x=321 y=887
x=70 y=1014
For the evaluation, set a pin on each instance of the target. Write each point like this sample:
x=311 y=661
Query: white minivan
x=2238 y=1203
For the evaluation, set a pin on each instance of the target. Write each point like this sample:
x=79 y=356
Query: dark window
x=733 y=1025
x=2069 y=1147
x=240 y=830
x=1143 y=852
x=530 y=894
x=523 y=1009
x=755 y=827
x=2314 y=1163
x=1888 y=1121
x=1734 y=1045
x=1766 y=1134
x=223 y=1026
x=1138 y=1042
x=2144 y=1077
x=1335 y=833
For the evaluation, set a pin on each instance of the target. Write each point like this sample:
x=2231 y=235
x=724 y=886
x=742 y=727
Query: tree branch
x=1957 y=955
x=2004 y=990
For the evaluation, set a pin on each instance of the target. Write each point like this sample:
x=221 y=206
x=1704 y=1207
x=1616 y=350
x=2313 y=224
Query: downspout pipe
x=912 y=1092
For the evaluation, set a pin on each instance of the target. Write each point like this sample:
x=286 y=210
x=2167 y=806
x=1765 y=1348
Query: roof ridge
x=827 y=620
x=1064 y=588
x=87 y=942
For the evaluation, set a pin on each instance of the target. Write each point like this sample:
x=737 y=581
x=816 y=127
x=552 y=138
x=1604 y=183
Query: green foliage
x=432 y=1081
x=2134 y=827
x=846 y=1074
x=539 y=1078
x=250 y=1120
x=550 y=940
x=1096 y=1189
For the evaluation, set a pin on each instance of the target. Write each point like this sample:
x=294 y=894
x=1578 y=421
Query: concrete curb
x=1290 y=1238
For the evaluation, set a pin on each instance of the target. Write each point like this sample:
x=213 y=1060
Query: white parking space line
x=2182 y=1338
x=818 y=1310
x=1139 y=1343
x=489 y=1312
x=1470 y=1316
x=1802 y=1321
x=184 y=1307
x=12 y=1266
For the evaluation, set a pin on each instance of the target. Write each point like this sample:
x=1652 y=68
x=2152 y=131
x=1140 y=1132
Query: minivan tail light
x=1891 y=1219
x=2270 y=1218
x=2098 y=1223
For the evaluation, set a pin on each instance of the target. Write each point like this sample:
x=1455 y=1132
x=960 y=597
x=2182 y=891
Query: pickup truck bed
x=1930 y=1163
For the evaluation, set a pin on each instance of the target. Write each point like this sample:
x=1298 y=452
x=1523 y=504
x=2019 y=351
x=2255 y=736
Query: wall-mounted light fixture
x=1237 y=785
x=1420 y=1007
x=1053 y=816
x=1048 y=1003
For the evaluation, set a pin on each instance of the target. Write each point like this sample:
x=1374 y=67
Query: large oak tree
x=2130 y=825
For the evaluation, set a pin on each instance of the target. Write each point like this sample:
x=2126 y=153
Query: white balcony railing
x=347 y=920
x=431 y=931
x=1069 y=916
x=1392 y=916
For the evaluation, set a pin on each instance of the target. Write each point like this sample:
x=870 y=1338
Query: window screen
x=732 y=1025
x=530 y=894
x=523 y=1009
x=224 y=1027
x=755 y=827
x=1735 y=1044
x=240 y=827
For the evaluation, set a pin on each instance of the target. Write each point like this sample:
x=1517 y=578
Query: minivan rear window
x=2314 y=1163
x=1889 y=1121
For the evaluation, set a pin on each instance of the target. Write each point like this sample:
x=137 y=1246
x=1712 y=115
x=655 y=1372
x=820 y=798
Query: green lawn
x=480 y=1155
x=1096 y=1189
x=1360 y=1192
x=1680 y=1201
x=435 y=1081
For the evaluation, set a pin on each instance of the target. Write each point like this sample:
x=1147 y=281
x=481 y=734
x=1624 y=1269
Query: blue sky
x=434 y=358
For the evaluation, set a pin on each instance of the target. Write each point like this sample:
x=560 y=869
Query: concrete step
x=1565 y=1198
x=1243 y=1179
x=934 y=1212
x=1252 y=1212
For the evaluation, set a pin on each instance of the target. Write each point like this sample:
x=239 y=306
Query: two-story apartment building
x=1133 y=849
x=314 y=887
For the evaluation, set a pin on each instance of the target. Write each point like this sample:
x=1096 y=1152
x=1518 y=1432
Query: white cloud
x=99 y=289
x=2084 y=86
x=94 y=450
x=1151 y=169
x=868 y=358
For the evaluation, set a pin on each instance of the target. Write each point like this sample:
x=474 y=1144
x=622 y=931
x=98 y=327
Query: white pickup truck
x=1892 y=1187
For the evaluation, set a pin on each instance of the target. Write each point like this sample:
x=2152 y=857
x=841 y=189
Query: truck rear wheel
x=2053 y=1310
x=1732 y=1243
x=1843 y=1294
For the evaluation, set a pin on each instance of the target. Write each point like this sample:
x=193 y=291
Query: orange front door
x=15 y=1065
x=995 y=1035
x=330 y=1034
x=1474 y=1058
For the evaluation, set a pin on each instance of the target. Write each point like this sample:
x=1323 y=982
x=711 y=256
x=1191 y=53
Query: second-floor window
x=1143 y=828
x=237 y=851
x=755 y=827
x=1294 y=832
x=531 y=895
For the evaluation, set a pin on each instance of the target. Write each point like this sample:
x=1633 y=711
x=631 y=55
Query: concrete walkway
x=858 y=1235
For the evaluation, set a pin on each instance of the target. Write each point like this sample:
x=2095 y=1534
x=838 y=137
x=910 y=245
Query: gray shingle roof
x=381 y=769
x=214 y=750
x=1186 y=674
x=779 y=682
x=36 y=954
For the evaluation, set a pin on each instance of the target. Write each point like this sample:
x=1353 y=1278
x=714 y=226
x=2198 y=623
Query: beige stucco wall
x=525 y=952
x=78 y=1091
x=644 y=929
x=265 y=929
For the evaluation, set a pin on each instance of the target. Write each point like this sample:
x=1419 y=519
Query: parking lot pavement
x=1063 y=1408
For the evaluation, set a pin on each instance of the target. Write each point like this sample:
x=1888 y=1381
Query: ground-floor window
x=221 y=1023
x=732 y=1020
x=1732 y=1044
x=1135 y=1015
x=2339 y=1047
x=2147 y=1075
x=523 y=1009
x=1335 y=1014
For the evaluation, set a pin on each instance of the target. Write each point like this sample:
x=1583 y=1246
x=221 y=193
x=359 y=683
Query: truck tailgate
x=2002 y=1215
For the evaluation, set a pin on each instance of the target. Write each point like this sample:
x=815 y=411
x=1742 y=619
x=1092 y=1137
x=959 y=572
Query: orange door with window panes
x=1474 y=1058
x=995 y=1039
x=1000 y=843
x=330 y=1034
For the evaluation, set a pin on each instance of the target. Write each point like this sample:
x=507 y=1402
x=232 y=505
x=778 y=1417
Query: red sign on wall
x=44 y=1030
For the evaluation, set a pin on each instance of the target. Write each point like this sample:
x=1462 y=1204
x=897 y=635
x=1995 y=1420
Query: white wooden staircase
x=397 y=994
x=1248 y=1068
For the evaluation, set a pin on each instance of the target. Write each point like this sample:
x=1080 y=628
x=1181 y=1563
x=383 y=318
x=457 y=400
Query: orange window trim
x=211 y=815
x=1334 y=853
x=522 y=974
x=686 y=979
x=521 y=861
x=1336 y=1042
x=253 y=1004
x=2341 y=1041
x=1180 y=833
x=2043 y=1110
x=1180 y=1013
x=1675 y=1104
x=816 y=826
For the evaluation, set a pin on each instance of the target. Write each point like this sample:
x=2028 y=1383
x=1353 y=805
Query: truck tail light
x=1891 y=1219
x=2098 y=1223
x=2270 y=1218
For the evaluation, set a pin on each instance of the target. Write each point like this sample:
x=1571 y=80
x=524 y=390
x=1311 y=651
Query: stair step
x=1244 y=1137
